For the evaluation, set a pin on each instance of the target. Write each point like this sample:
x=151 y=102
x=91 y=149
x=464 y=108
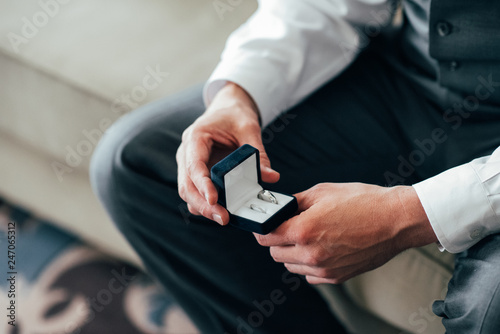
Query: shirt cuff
x=458 y=207
x=269 y=96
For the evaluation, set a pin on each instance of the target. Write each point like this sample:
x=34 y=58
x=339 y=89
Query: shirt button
x=454 y=65
x=475 y=234
x=443 y=28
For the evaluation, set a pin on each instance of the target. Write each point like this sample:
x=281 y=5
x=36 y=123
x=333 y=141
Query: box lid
x=237 y=175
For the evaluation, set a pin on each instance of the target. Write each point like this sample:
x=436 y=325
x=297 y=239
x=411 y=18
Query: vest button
x=454 y=65
x=443 y=28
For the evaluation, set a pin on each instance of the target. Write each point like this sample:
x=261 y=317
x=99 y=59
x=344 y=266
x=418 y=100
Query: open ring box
x=238 y=182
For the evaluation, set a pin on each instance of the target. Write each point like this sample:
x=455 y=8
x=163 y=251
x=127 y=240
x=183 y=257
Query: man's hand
x=230 y=121
x=346 y=229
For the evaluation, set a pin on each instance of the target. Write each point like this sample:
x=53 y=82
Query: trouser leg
x=221 y=277
x=472 y=304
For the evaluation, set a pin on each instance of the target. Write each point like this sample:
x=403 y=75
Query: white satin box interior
x=239 y=185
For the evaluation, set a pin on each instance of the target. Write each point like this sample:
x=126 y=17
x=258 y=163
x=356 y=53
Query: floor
x=62 y=285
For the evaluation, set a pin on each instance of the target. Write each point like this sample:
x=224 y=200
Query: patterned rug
x=62 y=286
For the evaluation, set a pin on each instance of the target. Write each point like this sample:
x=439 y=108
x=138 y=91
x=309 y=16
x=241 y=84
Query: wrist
x=414 y=228
x=235 y=97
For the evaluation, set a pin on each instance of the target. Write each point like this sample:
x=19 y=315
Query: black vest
x=464 y=37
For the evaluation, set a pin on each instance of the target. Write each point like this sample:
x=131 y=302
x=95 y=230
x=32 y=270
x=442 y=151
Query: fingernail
x=218 y=218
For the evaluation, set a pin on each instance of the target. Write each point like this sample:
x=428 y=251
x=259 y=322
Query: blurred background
x=68 y=70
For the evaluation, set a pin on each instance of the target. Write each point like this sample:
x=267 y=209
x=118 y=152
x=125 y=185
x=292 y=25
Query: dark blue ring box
x=238 y=181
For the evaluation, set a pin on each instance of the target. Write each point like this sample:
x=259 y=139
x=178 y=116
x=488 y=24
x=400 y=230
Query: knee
x=150 y=134
x=107 y=160
x=136 y=154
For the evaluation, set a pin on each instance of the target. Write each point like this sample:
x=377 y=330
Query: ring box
x=238 y=182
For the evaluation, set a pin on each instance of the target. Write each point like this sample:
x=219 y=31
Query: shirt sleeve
x=463 y=203
x=289 y=48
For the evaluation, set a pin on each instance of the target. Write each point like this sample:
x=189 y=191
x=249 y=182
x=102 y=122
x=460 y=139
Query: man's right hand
x=231 y=120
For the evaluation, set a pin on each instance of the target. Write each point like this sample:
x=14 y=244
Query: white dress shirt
x=289 y=48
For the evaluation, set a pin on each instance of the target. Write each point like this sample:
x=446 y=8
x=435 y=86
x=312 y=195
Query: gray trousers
x=371 y=124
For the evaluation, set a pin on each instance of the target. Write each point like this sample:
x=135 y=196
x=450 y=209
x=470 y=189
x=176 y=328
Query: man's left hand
x=345 y=229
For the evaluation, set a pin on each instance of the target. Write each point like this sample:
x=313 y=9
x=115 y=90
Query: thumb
x=268 y=174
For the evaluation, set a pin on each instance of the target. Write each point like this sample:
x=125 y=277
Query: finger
x=181 y=174
x=190 y=194
x=302 y=269
x=284 y=235
x=198 y=204
x=193 y=210
x=335 y=277
x=314 y=275
x=319 y=280
x=187 y=190
x=291 y=254
x=269 y=175
x=197 y=155
x=254 y=138
x=200 y=176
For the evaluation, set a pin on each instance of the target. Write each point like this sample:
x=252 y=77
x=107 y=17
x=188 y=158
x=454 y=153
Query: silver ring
x=267 y=196
x=257 y=208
